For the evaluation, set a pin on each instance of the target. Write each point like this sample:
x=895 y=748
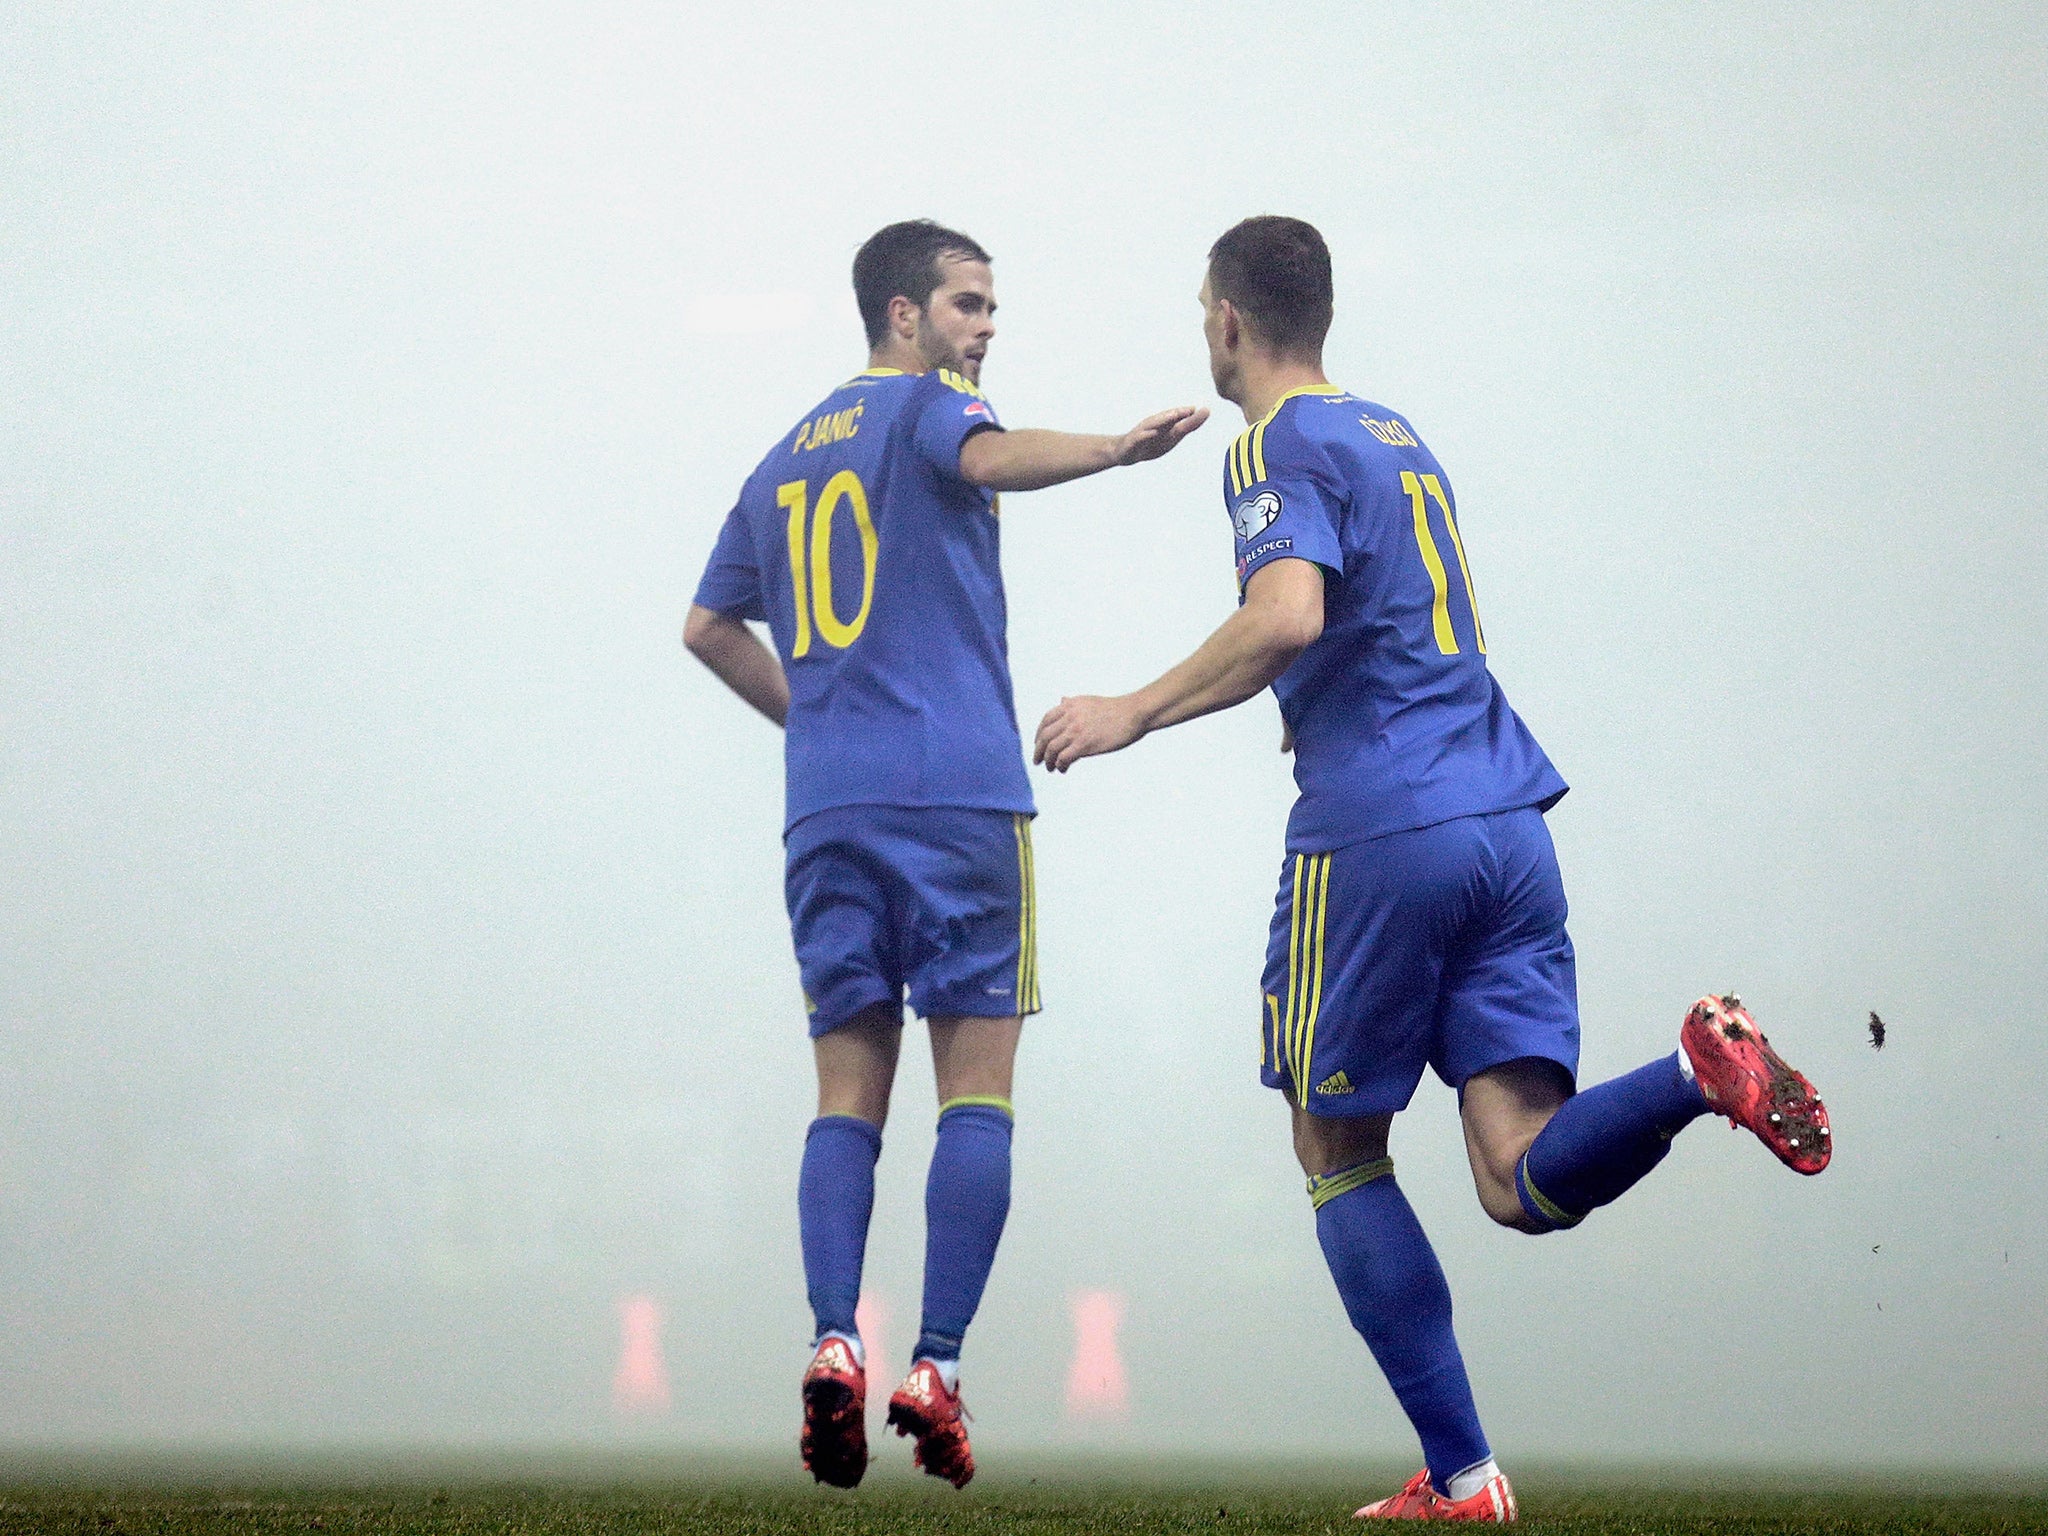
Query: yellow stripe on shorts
x=1293 y=972
x=1305 y=944
x=1027 y=918
x=1315 y=996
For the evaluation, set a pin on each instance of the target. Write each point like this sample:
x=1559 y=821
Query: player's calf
x=1503 y=1110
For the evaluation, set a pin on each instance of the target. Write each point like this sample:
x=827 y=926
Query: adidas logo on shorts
x=1336 y=1082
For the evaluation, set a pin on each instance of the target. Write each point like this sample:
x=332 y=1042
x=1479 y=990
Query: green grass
x=98 y=1497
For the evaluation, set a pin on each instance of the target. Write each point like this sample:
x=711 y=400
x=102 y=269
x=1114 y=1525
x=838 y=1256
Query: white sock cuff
x=1475 y=1477
x=851 y=1341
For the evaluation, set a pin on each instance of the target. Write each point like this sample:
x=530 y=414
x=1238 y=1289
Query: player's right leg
x=1544 y=1157
x=842 y=922
x=976 y=914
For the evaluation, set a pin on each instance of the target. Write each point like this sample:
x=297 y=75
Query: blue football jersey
x=877 y=569
x=1397 y=723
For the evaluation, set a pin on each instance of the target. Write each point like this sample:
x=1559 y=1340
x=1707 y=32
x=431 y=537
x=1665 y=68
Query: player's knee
x=1499 y=1199
x=1322 y=1145
x=1509 y=1213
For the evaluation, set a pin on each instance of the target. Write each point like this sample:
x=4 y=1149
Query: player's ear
x=1233 y=333
x=902 y=318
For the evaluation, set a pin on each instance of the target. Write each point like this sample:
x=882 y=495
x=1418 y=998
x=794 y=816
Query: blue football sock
x=1395 y=1293
x=835 y=1196
x=966 y=1200
x=1603 y=1140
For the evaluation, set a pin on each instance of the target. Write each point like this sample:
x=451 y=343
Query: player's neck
x=1265 y=380
x=900 y=355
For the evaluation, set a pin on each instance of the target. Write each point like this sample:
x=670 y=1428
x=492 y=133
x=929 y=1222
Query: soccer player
x=867 y=540
x=1421 y=916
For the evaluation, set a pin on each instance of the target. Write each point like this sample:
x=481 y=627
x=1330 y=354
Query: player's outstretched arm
x=1281 y=617
x=1029 y=459
x=746 y=666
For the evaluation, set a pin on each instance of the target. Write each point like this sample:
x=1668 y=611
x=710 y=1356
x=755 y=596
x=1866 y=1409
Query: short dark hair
x=903 y=259
x=1277 y=272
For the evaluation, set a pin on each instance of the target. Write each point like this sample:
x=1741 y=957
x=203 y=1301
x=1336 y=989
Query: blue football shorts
x=1444 y=946
x=933 y=903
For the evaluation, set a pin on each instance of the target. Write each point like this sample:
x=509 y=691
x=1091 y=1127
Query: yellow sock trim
x=1325 y=1187
x=1548 y=1207
x=990 y=1100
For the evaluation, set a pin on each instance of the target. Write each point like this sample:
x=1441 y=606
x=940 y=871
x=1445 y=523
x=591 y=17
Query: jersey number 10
x=1440 y=610
x=814 y=593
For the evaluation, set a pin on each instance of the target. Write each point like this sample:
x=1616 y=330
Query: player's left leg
x=845 y=927
x=1354 y=958
x=1396 y=1296
x=856 y=1065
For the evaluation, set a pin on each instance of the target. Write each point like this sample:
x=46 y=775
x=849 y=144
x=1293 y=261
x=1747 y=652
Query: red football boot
x=1419 y=1500
x=924 y=1408
x=1744 y=1079
x=835 y=1437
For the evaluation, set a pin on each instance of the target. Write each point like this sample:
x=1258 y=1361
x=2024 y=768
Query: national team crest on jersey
x=1255 y=513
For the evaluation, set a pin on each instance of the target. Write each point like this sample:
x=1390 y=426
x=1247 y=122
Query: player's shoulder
x=1335 y=428
x=958 y=382
x=1331 y=416
x=953 y=403
x=1291 y=436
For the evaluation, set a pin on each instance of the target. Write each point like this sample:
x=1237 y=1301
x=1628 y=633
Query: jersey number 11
x=1440 y=610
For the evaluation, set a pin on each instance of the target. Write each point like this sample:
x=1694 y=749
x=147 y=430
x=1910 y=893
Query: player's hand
x=1085 y=726
x=1157 y=435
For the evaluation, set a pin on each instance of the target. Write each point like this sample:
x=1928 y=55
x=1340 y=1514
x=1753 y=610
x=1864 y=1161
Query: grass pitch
x=678 y=1498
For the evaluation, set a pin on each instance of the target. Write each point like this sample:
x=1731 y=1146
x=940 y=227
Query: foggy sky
x=392 y=956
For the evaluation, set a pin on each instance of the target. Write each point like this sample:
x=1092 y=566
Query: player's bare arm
x=952 y=329
x=1281 y=617
x=733 y=651
x=1031 y=459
